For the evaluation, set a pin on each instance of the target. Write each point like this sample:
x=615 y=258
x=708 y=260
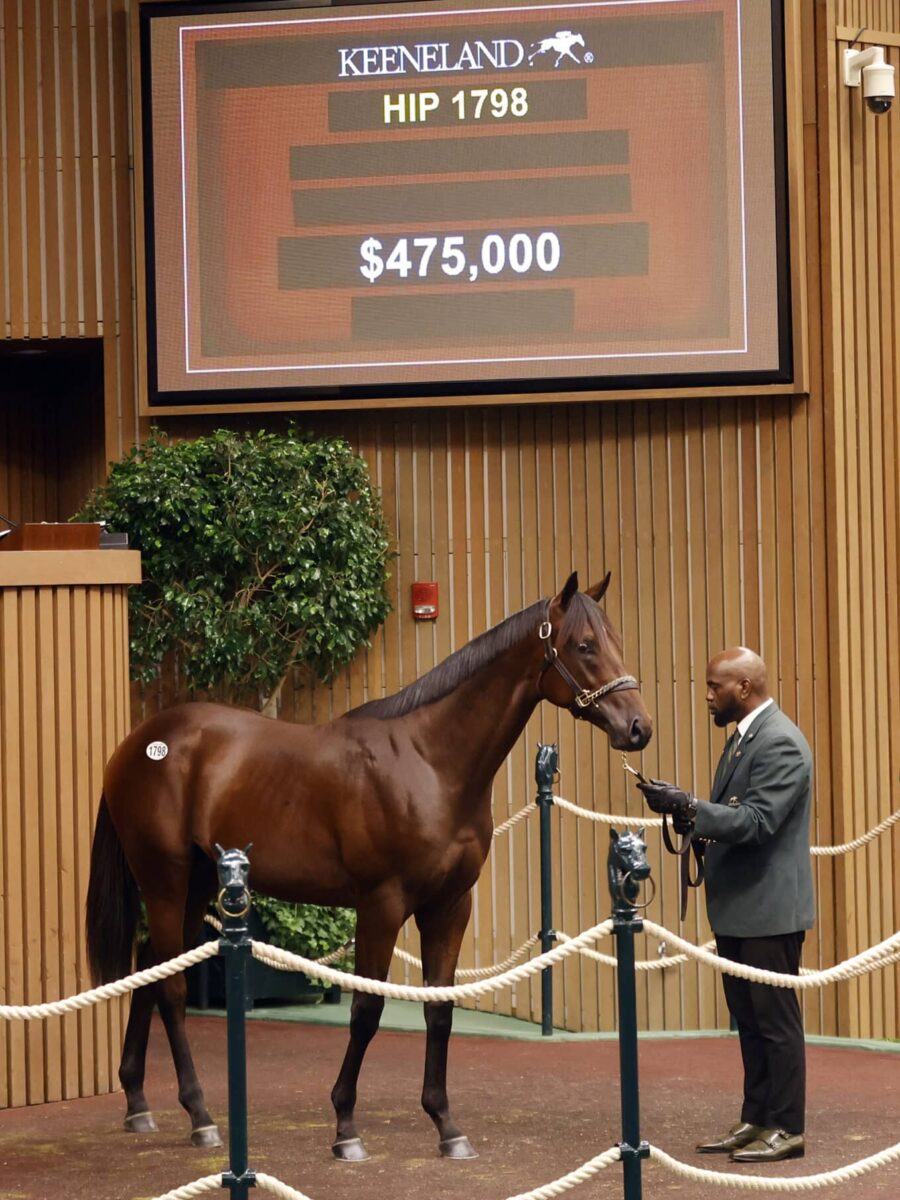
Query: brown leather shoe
x=736 y=1137
x=773 y=1145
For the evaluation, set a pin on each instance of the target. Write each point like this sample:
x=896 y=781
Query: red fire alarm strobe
x=425 y=601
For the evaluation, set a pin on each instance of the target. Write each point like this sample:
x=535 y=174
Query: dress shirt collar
x=745 y=723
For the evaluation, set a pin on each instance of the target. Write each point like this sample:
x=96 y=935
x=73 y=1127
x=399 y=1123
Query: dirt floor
x=533 y=1110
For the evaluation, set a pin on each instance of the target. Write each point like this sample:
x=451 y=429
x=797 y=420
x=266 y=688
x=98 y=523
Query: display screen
x=446 y=198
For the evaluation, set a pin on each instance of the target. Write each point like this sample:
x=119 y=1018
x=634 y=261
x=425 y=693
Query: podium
x=56 y=535
x=64 y=707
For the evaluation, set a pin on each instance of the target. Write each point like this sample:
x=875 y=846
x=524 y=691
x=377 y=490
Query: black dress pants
x=770 y=1027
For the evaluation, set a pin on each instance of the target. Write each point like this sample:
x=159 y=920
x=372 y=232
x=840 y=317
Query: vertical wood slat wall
x=860 y=156
x=66 y=244
x=64 y=708
x=767 y=520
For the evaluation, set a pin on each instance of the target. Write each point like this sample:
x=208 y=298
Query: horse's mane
x=463 y=663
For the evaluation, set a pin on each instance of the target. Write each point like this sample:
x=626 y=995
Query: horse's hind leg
x=376 y=934
x=138 y=1118
x=168 y=920
x=442 y=933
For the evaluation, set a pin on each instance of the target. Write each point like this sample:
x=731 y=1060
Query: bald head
x=736 y=683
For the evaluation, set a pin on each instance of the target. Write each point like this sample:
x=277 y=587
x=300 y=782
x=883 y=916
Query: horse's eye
x=585 y=647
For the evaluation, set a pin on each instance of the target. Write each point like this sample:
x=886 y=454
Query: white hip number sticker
x=157 y=751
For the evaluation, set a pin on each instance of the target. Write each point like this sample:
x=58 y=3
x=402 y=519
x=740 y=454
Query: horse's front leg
x=166 y=921
x=377 y=927
x=442 y=933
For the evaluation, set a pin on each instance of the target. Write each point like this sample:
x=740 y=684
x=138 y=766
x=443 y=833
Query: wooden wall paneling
x=479 y=620
x=66 y=149
x=69 y=915
x=883 y=484
x=85 y=802
x=833 y=882
x=635 y=556
x=16 y=316
x=457 y=596
x=707 y=740
x=559 y=526
x=541 y=546
x=591 y=745
x=607 y=488
x=33 y=208
x=31 y=846
x=49 y=123
x=599 y=760
x=853 y=348
x=103 y=1026
x=682 y=1003
x=48 y=834
x=655 y=590
x=497 y=867
x=124 y=429
x=4 y=869
x=518 y=787
x=525 y=583
x=12 y=979
x=89 y=324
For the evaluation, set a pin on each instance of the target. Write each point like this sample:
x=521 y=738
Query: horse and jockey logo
x=561 y=43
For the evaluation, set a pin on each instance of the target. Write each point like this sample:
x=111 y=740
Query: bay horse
x=386 y=809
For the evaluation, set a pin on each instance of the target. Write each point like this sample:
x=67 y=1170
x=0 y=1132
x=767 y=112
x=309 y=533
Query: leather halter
x=584 y=699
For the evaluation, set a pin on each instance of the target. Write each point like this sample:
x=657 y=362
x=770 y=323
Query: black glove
x=665 y=797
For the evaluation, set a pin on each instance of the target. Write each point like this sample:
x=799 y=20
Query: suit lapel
x=729 y=761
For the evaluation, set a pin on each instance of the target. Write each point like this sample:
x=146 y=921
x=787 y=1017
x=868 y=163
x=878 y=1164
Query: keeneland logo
x=427 y=58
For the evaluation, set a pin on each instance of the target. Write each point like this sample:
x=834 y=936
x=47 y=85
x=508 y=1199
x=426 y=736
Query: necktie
x=735 y=742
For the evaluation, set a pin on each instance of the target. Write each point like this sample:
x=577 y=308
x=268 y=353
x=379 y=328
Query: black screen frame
x=478 y=392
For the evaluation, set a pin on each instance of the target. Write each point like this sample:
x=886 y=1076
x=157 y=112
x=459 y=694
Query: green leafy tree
x=260 y=552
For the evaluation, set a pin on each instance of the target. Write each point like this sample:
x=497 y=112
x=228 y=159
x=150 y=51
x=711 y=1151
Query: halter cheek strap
x=583 y=698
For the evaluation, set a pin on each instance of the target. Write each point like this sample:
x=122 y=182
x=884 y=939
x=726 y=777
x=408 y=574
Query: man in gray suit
x=759 y=894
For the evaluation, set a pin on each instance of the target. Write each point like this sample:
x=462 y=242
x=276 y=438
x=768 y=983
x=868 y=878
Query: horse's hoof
x=457 y=1147
x=350 y=1150
x=207 y=1136
x=141 y=1122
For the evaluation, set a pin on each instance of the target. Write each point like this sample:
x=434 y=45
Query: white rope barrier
x=749 y=1183
x=607 y=818
x=508 y=824
x=644 y=964
x=580 y=1175
x=872 y=959
x=777 y=1183
x=463 y=991
x=653 y=822
x=268 y=1183
x=860 y=841
x=58 y=1008
x=477 y=972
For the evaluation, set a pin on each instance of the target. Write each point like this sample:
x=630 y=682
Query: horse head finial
x=234 y=871
x=627 y=867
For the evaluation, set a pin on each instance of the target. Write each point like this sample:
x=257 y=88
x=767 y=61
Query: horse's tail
x=113 y=904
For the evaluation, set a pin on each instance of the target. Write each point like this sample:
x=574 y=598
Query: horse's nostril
x=638 y=735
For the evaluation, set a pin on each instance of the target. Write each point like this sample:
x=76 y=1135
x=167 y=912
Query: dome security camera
x=877 y=77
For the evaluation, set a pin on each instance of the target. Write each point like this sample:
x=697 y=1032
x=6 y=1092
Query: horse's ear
x=598 y=590
x=642 y=833
x=613 y=835
x=569 y=589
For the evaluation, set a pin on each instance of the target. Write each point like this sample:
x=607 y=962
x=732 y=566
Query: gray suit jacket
x=758 y=871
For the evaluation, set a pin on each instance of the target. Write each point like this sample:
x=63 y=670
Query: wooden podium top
x=68 y=568
x=53 y=535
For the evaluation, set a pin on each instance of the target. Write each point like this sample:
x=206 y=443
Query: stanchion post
x=545 y=769
x=235 y=948
x=626 y=923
